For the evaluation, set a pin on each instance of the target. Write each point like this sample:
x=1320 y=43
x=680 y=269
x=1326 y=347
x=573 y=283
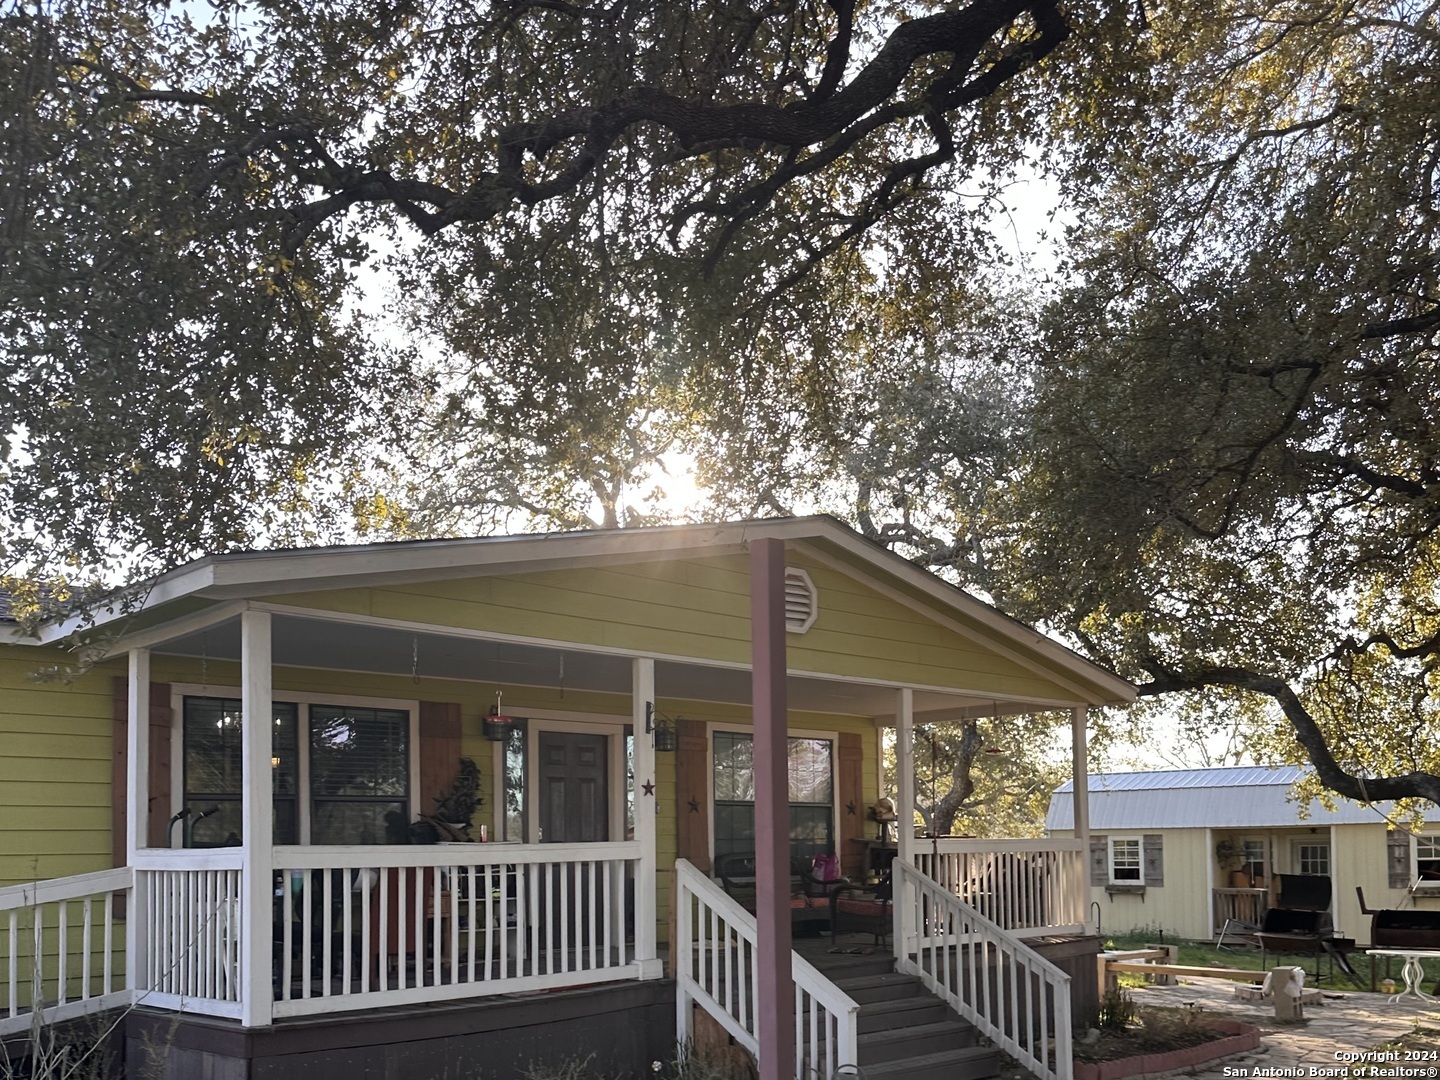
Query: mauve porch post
x=775 y=992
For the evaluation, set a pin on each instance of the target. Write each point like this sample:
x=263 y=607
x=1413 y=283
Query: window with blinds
x=359 y=774
x=357 y=786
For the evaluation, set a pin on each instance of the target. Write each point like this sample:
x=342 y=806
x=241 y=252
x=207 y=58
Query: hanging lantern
x=662 y=729
x=497 y=727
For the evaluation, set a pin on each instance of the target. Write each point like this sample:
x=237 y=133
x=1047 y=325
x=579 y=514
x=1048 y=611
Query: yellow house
x=215 y=813
x=1184 y=851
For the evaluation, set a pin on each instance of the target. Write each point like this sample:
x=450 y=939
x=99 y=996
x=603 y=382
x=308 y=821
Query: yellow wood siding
x=699 y=608
x=55 y=761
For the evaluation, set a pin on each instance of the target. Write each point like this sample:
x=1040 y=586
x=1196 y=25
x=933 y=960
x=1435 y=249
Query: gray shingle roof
x=1237 y=797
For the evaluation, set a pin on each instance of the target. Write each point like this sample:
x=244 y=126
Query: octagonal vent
x=800 y=601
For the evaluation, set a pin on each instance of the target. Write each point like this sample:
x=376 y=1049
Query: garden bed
x=1166 y=1040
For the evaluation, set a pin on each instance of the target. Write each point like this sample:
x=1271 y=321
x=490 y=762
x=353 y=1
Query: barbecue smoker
x=1300 y=923
x=1392 y=928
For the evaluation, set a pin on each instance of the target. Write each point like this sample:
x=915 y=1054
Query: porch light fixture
x=662 y=729
x=497 y=727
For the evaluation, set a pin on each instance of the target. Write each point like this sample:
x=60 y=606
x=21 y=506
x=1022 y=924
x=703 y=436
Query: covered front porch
x=342 y=710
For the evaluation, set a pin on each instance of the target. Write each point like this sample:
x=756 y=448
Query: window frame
x=833 y=737
x=302 y=699
x=1432 y=839
x=1298 y=860
x=1111 y=842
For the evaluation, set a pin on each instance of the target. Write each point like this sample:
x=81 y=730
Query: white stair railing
x=1012 y=994
x=1032 y=888
x=62 y=948
x=715 y=968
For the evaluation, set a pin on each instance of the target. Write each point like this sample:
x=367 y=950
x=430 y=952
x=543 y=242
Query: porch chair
x=809 y=896
x=855 y=909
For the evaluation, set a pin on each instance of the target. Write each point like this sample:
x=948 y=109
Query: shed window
x=1427 y=860
x=1126 y=867
x=1313 y=859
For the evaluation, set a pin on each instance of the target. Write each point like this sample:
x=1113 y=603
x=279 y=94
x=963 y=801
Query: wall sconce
x=275 y=762
x=662 y=729
x=497 y=728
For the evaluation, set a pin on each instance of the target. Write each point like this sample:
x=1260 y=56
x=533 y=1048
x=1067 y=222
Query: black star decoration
x=850 y=808
x=694 y=806
x=648 y=787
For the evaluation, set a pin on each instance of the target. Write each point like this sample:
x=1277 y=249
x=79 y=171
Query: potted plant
x=455 y=809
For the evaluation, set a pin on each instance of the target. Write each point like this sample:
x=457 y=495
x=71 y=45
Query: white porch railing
x=1030 y=888
x=1012 y=994
x=714 y=947
x=188 y=939
x=378 y=926
x=61 y=948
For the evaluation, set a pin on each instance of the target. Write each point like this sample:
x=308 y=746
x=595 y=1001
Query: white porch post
x=137 y=806
x=257 y=819
x=904 y=928
x=1080 y=767
x=647 y=801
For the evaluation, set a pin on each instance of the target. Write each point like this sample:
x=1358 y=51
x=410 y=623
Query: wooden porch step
x=906 y=1012
x=886 y=986
x=892 y=1044
x=842 y=966
x=967 y=1063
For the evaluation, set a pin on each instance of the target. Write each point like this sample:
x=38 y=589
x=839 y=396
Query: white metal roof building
x=1236 y=797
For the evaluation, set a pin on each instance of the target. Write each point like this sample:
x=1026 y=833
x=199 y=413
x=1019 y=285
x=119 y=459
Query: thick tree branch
x=1332 y=775
x=836 y=121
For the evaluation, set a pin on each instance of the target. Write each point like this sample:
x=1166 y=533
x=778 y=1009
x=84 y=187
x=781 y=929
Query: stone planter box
x=1235 y=1038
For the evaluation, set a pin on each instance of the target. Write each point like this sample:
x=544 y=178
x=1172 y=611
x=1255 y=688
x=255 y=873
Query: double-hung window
x=350 y=786
x=810 y=767
x=212 y=764
x=1427 y=861
x=1126 y=865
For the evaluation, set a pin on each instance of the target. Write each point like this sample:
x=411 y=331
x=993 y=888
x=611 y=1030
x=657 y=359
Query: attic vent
x=800 y=605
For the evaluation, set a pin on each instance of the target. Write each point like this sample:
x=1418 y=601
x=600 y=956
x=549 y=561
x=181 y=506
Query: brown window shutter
x=1397 y=858
x=850 y=782
x=161 y=726
x=439 y=751
x=1152 y=846
x=1099 y=859
x=692 y=795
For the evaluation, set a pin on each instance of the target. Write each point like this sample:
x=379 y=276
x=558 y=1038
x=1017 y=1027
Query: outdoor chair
x=856 y=909
x=809 y=896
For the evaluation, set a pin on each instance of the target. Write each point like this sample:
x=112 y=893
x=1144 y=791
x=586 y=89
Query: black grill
x=1300 y=922
x=1393 y=928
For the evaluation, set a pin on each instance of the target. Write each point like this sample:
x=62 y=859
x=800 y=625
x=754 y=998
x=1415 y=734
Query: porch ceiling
x=329 y=645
